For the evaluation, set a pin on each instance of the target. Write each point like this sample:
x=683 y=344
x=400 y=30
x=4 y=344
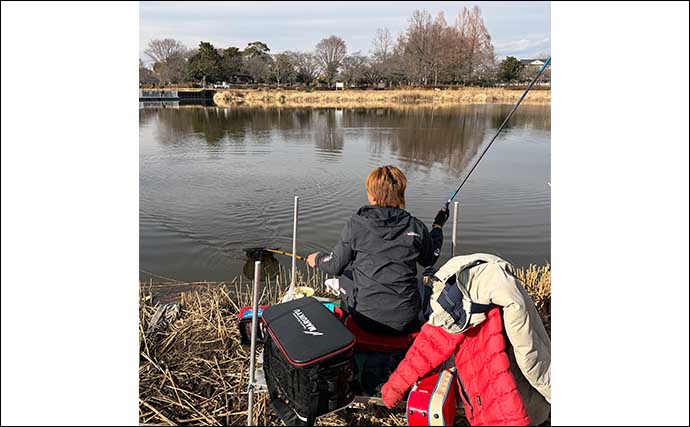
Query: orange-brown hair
x=387 y=185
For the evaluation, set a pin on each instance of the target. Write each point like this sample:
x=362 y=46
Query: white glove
x=333 y=286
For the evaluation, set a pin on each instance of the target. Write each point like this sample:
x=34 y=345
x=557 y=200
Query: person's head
x=386 y=187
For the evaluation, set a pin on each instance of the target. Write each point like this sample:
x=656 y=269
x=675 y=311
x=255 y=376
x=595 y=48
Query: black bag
x=308 y=361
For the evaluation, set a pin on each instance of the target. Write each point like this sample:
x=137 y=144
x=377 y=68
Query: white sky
x=521 y=29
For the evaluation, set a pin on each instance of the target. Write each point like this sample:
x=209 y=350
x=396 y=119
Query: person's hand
x=442 y=216
x=390 y=397
x=311 y=260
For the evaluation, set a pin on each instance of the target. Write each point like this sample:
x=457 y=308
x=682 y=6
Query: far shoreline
x=388 y=98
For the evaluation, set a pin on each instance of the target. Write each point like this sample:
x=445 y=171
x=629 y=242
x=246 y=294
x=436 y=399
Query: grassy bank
x=195 y=370
x=376 y=99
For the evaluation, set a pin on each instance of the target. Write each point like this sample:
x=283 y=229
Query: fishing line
x=534 y=80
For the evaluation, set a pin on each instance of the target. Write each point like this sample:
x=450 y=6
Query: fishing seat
x=376 y=356
x=367 y=342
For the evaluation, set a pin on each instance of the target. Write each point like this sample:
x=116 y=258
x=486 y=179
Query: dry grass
x=537 y=280
x=196 y=371
x=376 y=99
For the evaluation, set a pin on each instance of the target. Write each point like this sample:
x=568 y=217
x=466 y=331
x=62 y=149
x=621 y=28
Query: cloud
x=523 y=47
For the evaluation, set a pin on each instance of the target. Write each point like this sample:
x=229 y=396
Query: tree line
x=429 y=52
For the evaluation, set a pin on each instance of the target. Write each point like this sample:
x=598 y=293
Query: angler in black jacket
x=377 y=254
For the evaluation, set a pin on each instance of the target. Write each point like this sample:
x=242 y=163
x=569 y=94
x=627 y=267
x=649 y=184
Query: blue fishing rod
x=534 y=80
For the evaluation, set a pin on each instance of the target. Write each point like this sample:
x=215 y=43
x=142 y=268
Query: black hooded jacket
x=378 y=251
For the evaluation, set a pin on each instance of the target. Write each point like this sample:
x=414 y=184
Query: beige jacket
x=494 y=282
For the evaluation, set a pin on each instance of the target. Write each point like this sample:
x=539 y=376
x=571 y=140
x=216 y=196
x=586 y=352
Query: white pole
x=454 y=249
x=294 y=247
x=252 y=351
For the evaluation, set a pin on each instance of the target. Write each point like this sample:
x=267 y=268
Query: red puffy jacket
x=487 y=386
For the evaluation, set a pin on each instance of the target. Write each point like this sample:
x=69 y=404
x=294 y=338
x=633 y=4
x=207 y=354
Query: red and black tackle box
x=244 y=323
x=308 y=360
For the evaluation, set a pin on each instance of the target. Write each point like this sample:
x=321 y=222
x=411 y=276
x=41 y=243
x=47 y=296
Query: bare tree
x=439 y=41
x=258 y=67
x=146 y=76
x=424 y=46
x=416 y=43
x=355 y=69
x=282 y=68
x=169 y=58
x=172 y=70
x=382 y=53
x=330 y=53
x=160 y=50
x=400 y=64
x=477 y=50
x=431 y=51
x=306 y=66
x=382 y=46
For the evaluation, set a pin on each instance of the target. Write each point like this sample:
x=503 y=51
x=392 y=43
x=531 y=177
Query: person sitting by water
x=376 y=257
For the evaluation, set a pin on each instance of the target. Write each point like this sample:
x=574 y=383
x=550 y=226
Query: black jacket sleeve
x=431 y=246
x=335 y=262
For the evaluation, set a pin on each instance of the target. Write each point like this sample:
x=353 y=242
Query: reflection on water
x=213 y=180
x=270 y=266
x=423 y=134
x=159 y=104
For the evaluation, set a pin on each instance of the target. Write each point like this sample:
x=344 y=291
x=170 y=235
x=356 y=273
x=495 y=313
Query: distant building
x=532 y=62
x=530 y=67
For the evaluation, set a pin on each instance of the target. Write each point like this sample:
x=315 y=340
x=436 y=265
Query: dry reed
x=537 y=280
x=376 y=99
x=195 y=372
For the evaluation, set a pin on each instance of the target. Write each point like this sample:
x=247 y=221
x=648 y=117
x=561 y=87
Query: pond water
x=214 y=181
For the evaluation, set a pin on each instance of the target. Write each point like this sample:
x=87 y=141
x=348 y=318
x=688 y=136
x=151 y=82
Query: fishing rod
x=253 y=251
x=276 y=251
x=534 y=80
